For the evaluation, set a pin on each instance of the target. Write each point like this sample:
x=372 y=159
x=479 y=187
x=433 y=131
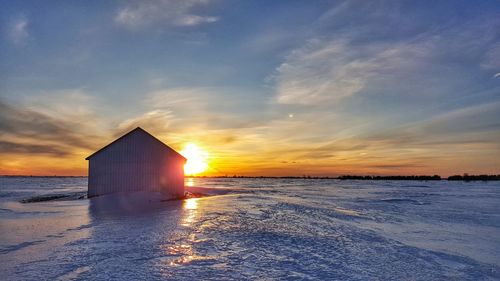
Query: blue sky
x=267 y=87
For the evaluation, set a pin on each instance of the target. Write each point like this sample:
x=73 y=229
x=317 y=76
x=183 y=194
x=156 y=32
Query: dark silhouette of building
x=137 y=161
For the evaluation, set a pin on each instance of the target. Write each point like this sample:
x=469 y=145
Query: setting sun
x=196 y=159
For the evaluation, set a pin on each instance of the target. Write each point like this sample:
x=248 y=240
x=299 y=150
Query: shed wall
x=136 y=163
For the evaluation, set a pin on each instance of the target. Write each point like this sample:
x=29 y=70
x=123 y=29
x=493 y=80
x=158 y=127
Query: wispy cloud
x=202 y=106
x=156 y=122
x=18 y=30
x=329 y=71
x=478 y=124
x=384 y=53
x=166 y=12
x=50 y=135
x=320 y=72
x=491 y=57
x=7 y=147
x=72 y=104
x=58 y=120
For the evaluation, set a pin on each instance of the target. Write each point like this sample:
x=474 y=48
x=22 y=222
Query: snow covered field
x=255 y=229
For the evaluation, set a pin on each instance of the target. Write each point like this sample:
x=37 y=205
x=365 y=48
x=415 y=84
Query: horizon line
x=344 y=176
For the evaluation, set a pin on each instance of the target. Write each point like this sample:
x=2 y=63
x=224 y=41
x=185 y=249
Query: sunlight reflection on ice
x=191 y=204
x=190 y=207
x=185 y=252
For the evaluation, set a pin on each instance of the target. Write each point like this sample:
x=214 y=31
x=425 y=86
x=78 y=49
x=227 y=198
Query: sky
x=273 y=88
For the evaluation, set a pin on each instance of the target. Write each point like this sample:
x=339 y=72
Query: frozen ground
x=256 y=229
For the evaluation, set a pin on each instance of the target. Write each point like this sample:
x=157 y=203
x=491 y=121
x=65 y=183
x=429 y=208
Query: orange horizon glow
x=222 y=163
x=213 y=155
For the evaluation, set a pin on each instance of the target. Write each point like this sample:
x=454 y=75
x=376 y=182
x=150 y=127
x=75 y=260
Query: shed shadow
x=131 y=204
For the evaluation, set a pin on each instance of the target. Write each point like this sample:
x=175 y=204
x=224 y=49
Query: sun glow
x=196 y=159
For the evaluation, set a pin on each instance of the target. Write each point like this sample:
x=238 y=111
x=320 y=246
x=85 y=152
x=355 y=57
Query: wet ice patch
x=55 y=197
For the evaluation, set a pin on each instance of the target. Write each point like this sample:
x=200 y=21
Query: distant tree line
x=464 y=177
x=409 y=178
x=265 y=177
x=467 y=177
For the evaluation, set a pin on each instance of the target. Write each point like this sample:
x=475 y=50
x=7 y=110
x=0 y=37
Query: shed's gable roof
x=128 y=134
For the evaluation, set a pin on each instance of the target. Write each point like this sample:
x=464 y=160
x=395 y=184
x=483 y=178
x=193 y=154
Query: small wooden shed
x=137 y=161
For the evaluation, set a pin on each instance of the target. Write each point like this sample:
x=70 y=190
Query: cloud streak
x=169 y=13
x=20 y=148
x=385 y=53
x=156 y=122
x=25 y=129
x=18 y=30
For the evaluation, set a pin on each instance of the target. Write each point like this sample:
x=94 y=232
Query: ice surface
x=254 y=229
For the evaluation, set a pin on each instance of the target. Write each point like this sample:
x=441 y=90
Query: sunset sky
x=263 y=87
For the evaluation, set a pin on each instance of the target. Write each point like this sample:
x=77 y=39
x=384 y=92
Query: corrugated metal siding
x=136 y=163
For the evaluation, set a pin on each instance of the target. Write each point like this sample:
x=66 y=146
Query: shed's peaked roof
x=127 y=134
